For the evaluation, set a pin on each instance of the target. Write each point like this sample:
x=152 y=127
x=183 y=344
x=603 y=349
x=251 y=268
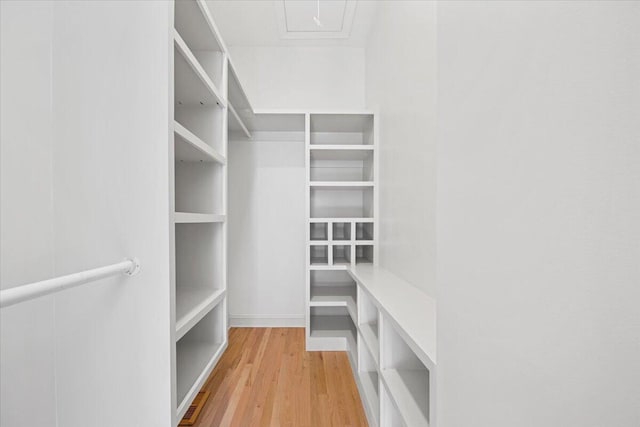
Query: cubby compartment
x=319 y=255
x=342 y=129
x=364 y=231
x=341 y=254
x=196 y=354
x=333 y=288
x=351 y=165
x=333 y=322
x=195 y=27
x=364 y=254
x=389 y=415
x=368 y=323
x=348 y=202
x=406 y=378
x=199 y=187
x=368 y=376
x=318 y=231
x=204 y=122
x=200 y=264
x=341 y=231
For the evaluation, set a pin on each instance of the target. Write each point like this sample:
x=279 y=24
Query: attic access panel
x=296 y=18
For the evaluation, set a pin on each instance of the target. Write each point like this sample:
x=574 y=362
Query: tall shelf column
x=198 y=193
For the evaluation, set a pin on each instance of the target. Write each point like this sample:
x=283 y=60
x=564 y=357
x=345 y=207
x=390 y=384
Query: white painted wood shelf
x=193 y=86
x=341 y=184
x=192 y=304
x=195 y=367
x=194 y=218
x=235 y=122
x=409 y=394
x=190 y=148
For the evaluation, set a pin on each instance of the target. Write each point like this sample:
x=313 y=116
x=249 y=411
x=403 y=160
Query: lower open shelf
x=192 y=304
x=409 y=390
x=335 y=296
x=332 y=329
x=197 y=352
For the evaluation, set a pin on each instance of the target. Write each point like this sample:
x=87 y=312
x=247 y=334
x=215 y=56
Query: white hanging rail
x=34 y=290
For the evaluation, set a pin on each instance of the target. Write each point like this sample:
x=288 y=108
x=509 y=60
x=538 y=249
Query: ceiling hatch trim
x=345 y=10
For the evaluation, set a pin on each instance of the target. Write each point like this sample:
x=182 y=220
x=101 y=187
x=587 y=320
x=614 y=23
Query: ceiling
x=292 y=23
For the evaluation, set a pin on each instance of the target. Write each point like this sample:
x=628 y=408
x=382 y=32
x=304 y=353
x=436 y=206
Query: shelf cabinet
x=198 y=194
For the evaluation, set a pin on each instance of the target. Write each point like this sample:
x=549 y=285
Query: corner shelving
x=341 y=193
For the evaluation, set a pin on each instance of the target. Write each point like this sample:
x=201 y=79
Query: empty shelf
x=334 y=296
x=194 y=364
x=192 y=304
x=193 y=86
x=194 y=21
x=409 y=391
x=369 y=382
x=341 y=152
x=332 y=326
x=369 y=332
x=235 y=122
x=190 y=148
x=341 y=184
x=188 y=217
x=337 y=219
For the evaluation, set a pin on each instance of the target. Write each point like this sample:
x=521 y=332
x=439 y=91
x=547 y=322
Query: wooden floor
x=266 y=378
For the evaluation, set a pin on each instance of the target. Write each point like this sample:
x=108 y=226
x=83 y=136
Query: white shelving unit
x=341 y=170
x=198 y=189
x=396 y=342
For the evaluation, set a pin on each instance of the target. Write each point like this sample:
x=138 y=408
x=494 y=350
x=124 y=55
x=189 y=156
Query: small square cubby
x=364 y=231
x=341 y=231
x=341 y=254
x=364 y=254
x=319 y=255
x=318 y=231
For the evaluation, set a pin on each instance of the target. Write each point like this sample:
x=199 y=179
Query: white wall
x=266 y=232
x=305 y=78
x=27 y=379
x=400 y=77
x=538 y=214
x=84 y=184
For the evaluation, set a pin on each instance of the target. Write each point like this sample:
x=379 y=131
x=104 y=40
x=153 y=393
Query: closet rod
x=30 y=291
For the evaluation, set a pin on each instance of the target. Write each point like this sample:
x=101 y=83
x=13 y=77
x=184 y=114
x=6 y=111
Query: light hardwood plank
x=266 y=378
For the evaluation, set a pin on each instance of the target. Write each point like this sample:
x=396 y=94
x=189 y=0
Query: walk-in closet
x=319 y=213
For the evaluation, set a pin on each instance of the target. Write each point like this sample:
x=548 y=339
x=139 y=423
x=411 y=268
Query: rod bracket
x=135 y=268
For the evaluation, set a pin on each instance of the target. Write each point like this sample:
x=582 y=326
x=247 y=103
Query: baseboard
x=266 y=321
